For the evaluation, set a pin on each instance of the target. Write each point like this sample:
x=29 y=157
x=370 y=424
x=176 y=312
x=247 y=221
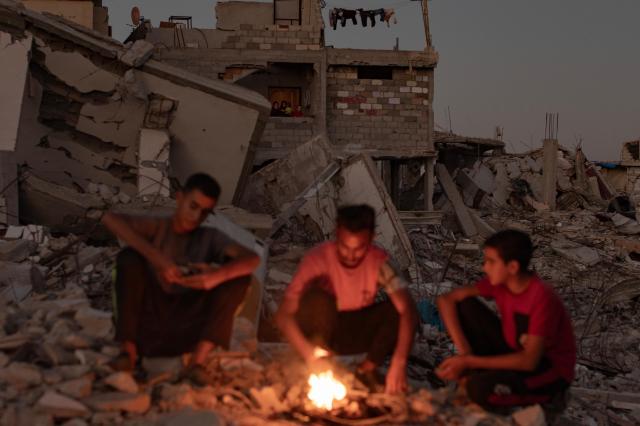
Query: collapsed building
x=90 y=124
x=374 y=102
x=90 y=121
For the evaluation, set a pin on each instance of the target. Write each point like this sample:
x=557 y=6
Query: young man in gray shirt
x=163 y=310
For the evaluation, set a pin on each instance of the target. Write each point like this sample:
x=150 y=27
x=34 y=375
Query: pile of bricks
x=275 y=37
x=374 y=113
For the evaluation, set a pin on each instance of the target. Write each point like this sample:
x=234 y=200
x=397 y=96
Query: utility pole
x=425 y=19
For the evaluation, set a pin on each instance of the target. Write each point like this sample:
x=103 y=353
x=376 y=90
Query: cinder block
x=412 y=83
x=405 y=89
x=394 y=101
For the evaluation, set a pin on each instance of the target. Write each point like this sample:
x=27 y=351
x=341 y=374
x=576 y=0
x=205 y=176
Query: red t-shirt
x=537 y=311
x=354 y=288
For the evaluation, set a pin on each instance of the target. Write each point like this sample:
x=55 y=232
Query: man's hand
x=319 y=360
x=452 y=368
x=170 y=271
x=396 y=381
x=205 y=281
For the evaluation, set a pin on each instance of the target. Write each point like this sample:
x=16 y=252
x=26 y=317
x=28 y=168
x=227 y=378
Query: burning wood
x=325 y=389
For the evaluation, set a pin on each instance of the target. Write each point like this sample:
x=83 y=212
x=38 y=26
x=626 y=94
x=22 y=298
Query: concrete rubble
x=91 y=124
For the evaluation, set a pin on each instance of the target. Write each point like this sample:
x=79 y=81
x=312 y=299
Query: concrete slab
x=14 y=57
x=78 y=71
x=209 y=134
x=153 y=162
x=461 y=210
x=576 y=252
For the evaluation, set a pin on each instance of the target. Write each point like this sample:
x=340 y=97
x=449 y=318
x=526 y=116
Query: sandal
x=198 y=375
x=122 y=363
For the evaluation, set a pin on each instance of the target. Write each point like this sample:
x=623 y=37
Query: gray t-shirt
x=203 y=245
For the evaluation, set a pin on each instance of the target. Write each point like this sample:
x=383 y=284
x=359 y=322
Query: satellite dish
x=135 y=15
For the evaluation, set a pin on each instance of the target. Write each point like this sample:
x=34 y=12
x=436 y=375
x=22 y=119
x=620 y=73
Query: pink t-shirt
x=354 y=288
x=537 y=311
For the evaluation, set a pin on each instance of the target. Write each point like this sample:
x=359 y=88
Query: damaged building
x=88 y=122
x=373 y=102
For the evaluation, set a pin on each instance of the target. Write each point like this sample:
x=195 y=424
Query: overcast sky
x=502 y=62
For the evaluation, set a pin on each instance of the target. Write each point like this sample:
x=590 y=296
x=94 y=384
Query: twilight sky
x=502 y=62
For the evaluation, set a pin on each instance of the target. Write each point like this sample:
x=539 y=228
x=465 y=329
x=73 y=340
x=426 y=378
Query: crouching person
x=178 y=285
x=330 y=304
x=526 y=357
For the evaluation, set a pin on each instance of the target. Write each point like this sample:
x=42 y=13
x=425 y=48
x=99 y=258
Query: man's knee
x=469 y=307
x=236 y=289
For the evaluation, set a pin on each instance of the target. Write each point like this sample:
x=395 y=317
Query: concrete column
x=550 y=172
x=320 y=94
x=428 y=183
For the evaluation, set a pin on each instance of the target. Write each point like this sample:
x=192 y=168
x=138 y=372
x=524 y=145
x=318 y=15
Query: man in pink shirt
x=331 y=302
x=528 y=355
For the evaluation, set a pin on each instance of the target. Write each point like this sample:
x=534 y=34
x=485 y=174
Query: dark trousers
x=373 y=329
x=163 y=324
x=501 y=388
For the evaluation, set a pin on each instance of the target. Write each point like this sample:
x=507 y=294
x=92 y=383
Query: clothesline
x=342 y=15
x=397 y=5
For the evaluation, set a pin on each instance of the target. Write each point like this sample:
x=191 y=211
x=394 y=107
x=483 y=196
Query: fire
x=325 y=389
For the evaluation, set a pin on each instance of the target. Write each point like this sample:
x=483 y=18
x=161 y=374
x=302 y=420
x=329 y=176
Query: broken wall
x=84 y=113
x=379 y=114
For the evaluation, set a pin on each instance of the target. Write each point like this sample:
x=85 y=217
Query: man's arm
x=119 y=226
x=396 y=289
x=243 y=262
x=447 y=308
x=286 y=322
x=525 y=360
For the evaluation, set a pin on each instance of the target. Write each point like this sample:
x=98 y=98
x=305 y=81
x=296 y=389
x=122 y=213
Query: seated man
x=529 y=355
x=164 y=306
x=331 y=302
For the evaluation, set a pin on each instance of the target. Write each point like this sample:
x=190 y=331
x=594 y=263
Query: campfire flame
x=325 y=389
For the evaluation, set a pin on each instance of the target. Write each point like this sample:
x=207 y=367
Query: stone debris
x=123 y=382
x=119 y=401
x=60 y=406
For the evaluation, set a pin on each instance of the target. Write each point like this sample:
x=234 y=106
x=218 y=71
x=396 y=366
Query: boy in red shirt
x=526 y=357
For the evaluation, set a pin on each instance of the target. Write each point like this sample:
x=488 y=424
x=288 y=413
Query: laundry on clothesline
x=342 y=15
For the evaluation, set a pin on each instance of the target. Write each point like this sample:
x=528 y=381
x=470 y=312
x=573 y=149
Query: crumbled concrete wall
x=370 y=113
x=14 y=57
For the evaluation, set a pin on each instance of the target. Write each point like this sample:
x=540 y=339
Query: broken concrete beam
x=461 y=210
x=153 y=162
x=550 y=172
x=576 y=252
x=484 y=229
x=56 y=206
x=137 y=54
